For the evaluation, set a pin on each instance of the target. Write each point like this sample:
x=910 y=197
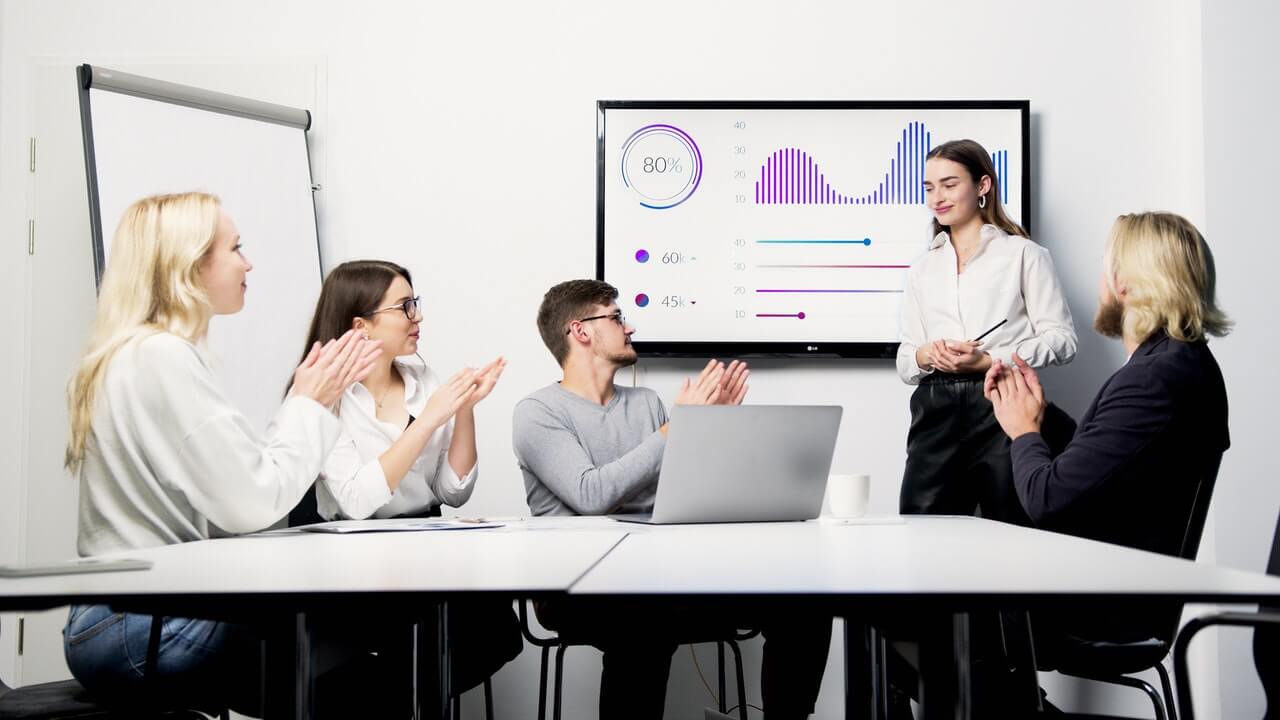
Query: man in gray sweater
x=589 y=447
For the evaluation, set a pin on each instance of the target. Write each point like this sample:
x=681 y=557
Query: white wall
x=434 y=110
x=1240 y=163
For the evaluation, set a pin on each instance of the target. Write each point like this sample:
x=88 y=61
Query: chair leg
x=560 y=680
x=151 y=671
x=1145 y=687
x=742 y=682
x=542 y=683
x=1169 y=703
x=879 y=672
x=488 y=699
x=720 y=673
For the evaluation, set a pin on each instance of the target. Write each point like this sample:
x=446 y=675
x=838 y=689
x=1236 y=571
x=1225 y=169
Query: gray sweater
x=580 y=458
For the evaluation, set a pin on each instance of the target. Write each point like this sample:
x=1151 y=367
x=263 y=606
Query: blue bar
x=912 y=179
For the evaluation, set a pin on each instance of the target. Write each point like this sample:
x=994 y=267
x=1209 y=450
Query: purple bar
x=773 y=178
x=813 y=182
x=791 y=173
x=804 y=177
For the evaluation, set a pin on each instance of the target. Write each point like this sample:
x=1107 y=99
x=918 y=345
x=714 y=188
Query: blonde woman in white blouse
x=162 y=454
x=408 y=445
x=981 y=269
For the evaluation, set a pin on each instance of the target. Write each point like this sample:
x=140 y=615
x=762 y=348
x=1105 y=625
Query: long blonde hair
x=151 y=285
x=1168 y=273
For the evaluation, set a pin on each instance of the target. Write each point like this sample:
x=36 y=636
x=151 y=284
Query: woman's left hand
x=961 y=357
x=486 y=379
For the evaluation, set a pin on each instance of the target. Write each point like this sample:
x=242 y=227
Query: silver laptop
x=744 y=463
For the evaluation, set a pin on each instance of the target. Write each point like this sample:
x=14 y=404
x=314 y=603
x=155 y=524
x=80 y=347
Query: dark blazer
x=1130 y=473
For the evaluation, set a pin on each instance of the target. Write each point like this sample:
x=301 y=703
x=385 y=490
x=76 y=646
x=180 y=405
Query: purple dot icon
x=642 y=299
x=642 y=256
x=800 y=315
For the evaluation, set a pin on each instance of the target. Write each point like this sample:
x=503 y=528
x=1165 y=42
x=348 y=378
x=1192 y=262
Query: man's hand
x=1016 y=396
x=733 y=385
x=706 y=390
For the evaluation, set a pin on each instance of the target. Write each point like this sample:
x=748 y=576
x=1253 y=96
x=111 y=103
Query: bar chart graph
x=791 y=176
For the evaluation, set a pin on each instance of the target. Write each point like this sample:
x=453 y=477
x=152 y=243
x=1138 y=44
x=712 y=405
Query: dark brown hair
x=565 y=303
x=977 y=161
x=351 y=290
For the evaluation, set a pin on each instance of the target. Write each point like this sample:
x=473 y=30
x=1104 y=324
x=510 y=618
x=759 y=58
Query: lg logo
x=811 y=348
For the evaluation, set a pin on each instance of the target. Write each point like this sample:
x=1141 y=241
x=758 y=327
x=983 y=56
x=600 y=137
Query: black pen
x=988 y=332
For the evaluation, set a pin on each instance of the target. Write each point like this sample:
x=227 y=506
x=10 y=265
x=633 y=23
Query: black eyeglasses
x=409 y=307
x=617 y=317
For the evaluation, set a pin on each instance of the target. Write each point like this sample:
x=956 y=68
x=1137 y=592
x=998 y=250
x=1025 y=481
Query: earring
x=366 y=336
x=982 y=201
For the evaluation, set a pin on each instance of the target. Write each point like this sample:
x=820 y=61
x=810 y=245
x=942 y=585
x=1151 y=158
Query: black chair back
x=1200 y=511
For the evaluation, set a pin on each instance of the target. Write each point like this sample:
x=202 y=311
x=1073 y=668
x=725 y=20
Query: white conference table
x=280 y=577
x=929 y=565
x=936 y=564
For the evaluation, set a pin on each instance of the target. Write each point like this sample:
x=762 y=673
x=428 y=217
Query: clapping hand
x=707 y=389
x=486 y=377
x=1016 y=396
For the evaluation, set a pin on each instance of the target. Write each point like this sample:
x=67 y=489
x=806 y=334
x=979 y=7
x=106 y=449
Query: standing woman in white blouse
x=980 y=269
x=162 y=454
x=408 y=445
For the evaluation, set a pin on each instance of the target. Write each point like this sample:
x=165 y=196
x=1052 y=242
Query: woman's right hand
x=450 y=397
x=924 y=359
x=329 y=370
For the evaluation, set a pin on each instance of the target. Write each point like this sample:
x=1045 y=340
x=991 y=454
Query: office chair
x=69 y=699
x=1116 y=662
x=307 y=512
x=1266 y=643
x=562 y=643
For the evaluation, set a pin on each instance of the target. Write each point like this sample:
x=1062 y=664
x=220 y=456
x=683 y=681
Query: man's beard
x=1109 y=320
x=623 y=359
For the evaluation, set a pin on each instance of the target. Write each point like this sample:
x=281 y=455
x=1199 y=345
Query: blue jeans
x=201 y=663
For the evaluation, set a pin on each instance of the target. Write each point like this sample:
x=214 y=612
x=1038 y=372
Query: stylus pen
x=993 y=329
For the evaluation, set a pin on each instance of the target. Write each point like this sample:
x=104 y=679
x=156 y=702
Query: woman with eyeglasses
x=409 y=440
x=408 y=445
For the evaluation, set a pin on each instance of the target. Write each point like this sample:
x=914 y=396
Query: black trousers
x=638 y=638
x=957 y=456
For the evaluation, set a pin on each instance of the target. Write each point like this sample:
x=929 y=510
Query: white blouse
x=168 y=454
x=353 y=485
x=1007 y=277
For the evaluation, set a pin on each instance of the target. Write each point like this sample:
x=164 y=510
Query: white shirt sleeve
x=912 y=334
x=239 y=479
x=1054 y=342
x=445 y=484
x=358 y=487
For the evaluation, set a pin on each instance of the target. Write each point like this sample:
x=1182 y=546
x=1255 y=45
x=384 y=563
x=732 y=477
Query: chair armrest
x=1194 y=626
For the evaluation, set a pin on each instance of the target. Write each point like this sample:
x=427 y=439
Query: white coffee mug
x=849 y=495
